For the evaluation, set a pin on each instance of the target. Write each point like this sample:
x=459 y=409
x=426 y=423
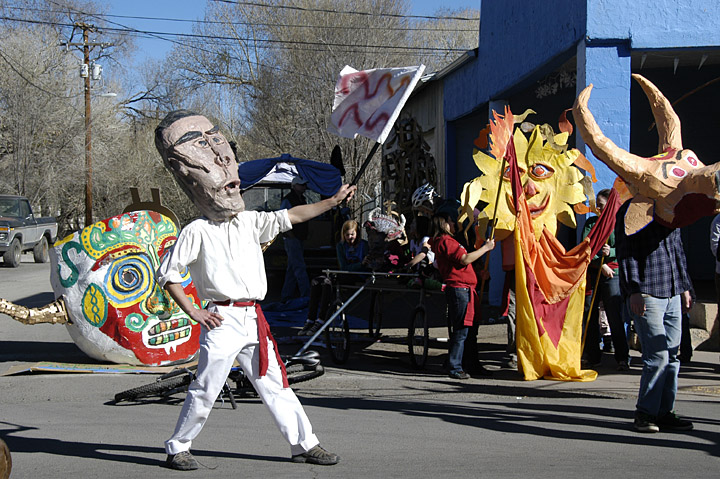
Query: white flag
x=368 y=102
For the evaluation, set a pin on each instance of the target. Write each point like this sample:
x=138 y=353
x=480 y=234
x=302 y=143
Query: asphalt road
x=383 y=418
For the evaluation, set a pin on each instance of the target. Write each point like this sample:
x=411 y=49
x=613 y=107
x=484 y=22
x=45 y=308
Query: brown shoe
x=317 y=455
x=182 y=461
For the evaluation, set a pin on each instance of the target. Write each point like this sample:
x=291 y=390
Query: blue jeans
x=296 y=274
x=463 y=343
x=659 y=331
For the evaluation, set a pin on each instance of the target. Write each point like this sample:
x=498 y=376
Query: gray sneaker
x=182 y=461
x=317 y=455
x=645 y=423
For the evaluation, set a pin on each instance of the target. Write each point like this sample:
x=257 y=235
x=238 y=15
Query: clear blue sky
x=193 y=9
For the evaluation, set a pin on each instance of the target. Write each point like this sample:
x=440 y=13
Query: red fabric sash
x=264 y=335
x=471 y=314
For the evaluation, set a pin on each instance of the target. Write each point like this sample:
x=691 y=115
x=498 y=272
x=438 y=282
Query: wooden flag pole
x=592 y=301
x=493 y=223
x=365 y=164
x=497 y=198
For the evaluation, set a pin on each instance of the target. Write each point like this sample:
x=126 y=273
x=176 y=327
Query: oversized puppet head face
x=203 y=163
x=674 y=187
x=118 y=313
x=382 y=230
x=551 y=183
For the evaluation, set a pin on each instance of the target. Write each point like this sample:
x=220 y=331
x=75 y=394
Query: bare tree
x=451 y=33
x=42 y=115
x=264 y=73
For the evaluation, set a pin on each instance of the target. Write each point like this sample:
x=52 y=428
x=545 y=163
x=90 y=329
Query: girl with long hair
x=351 y=251
x=455 y=266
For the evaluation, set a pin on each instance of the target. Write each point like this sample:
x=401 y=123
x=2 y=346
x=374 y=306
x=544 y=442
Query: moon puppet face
x=106 y=274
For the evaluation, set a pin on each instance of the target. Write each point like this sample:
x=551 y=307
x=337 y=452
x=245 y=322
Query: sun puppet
x=551 y=181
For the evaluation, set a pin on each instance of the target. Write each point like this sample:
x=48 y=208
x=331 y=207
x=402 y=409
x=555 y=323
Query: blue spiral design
x=130 y=280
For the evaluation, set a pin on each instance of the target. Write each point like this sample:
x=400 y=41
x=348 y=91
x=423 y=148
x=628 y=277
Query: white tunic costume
x=226 y=263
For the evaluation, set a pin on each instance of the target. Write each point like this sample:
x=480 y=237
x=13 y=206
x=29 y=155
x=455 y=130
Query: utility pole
x=88 y=143
x=87 y=72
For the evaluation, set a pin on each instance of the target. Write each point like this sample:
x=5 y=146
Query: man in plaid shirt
x=655 y=285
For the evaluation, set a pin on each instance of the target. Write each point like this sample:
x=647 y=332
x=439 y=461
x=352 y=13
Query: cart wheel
x=337 y=334
x=375 y=319
x=418 y=338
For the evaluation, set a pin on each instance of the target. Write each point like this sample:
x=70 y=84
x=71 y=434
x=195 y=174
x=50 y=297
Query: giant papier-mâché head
x=105 y=275
x=550 y=173
x=673 y=187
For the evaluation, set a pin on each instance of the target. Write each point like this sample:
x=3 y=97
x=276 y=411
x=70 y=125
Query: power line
x=241 y=39
x=353 y=49
x=27 y=80
x=288 y=42
x=182 y=44
x=159 y=35
x=348 y=12
x=219 y=22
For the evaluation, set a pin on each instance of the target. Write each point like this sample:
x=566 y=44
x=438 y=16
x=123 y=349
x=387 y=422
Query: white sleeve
x=183 y=253
x=271 y=223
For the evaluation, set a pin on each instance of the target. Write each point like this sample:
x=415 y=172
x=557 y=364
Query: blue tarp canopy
x=323 y=178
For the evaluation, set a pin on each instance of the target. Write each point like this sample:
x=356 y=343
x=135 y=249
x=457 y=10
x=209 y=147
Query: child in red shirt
x=455 y=266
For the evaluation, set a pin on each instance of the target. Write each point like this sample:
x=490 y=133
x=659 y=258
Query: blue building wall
x=607 y=67
x=521 y=41
x=516 y=38
x=655 y=24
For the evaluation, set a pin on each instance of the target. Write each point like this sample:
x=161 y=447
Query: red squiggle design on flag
x=353 y=109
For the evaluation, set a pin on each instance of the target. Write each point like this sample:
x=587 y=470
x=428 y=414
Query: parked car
x=264 y=183
x=21 y=230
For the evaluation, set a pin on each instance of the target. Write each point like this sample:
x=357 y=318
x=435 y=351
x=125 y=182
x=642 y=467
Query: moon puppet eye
x=678 y=172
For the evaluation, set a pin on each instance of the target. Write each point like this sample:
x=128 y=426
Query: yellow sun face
x=551 y=183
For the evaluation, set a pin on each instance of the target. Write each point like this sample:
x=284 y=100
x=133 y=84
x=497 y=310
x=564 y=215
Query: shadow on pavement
x=35 y=351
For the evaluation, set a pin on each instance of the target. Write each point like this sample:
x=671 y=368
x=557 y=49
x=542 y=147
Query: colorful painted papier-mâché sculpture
x=673 y=187
x=104 y=280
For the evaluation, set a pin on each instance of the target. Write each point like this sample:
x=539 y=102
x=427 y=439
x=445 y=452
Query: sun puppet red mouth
x=535 y=210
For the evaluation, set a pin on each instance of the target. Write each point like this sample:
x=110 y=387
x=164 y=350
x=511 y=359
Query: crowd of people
x=636 y=284
x=636 y=278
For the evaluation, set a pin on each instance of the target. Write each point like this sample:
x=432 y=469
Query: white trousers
x=237 y=337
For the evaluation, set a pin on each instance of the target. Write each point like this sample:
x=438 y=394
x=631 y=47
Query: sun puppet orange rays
x=551 y=176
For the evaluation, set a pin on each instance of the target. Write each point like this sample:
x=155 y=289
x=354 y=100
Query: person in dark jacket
x=608 y=291
x=656 y=286
x=296 y=277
